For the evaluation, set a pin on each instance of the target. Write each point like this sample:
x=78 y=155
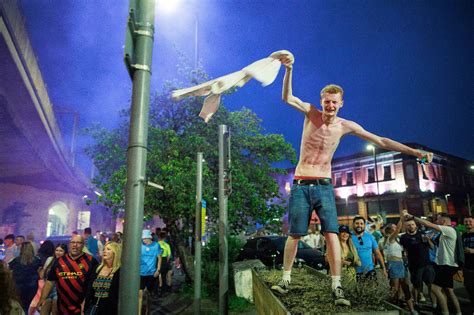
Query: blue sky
x=407 y=67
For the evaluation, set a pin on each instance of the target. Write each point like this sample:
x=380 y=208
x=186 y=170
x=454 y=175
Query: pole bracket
x=144 y=33
x=141 y=67
x=137 y=145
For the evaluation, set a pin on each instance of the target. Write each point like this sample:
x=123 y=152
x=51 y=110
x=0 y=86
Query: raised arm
x=385 y=143
x=421 y=221
x=287 y=90
x=397 y=229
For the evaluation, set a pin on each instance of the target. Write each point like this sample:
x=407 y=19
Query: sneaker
x=339 y=298
x=422 y=298
x=282 y=287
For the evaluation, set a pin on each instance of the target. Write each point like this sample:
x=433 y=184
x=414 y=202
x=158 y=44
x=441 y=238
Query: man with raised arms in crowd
x=445 y=262
x=416 y=245
x=312 y=187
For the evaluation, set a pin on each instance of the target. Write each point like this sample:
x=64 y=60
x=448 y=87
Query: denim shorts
x=396 y=269
x=306 y=198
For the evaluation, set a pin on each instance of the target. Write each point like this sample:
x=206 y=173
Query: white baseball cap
x=146 y=234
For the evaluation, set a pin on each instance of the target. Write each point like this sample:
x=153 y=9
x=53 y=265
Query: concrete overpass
x=40 y=189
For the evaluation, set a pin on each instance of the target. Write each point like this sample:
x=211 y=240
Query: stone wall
x=24 y=209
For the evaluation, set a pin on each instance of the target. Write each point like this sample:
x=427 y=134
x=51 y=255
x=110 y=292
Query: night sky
x=407 y=67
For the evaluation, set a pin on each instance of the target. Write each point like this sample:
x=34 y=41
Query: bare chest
x=321 y=139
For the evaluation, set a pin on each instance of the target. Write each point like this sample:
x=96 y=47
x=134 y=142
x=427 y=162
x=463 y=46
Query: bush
x=211 y=250
x=210 y=263
x=238 y=304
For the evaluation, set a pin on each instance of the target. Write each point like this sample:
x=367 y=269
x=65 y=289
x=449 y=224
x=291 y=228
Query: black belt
x=319 y=181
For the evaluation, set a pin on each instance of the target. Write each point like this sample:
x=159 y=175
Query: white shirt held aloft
x=264 y=70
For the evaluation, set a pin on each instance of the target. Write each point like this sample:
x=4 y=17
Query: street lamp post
x=138 y=53
x=382 y=213
x=447 y=202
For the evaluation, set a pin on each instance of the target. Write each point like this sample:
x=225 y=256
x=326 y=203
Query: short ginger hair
x=332 y=89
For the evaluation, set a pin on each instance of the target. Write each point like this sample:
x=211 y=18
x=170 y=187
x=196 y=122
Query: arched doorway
x=57 y=219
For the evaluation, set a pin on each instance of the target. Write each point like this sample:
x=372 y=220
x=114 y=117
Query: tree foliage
x=175 y=135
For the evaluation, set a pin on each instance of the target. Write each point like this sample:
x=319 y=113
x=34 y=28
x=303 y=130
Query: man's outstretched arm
x=421 y=221
x=287 y=90
x=386 y=143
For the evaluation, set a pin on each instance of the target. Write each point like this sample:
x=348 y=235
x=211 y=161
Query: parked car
x=270 y=249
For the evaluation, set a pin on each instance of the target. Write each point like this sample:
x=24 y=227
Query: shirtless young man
x=312 y=188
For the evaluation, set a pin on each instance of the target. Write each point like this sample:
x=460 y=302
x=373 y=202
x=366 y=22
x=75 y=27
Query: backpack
x=459 y=250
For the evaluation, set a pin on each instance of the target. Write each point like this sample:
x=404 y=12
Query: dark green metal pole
x=197 y=237
x=224 y=190
x=136 y=156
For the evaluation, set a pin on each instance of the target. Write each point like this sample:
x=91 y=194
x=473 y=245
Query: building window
x=370 y=175
x=445 y=175
x=387 y=172
x=423 y=172
x=338 y=178
x=349 y=179
x=410 y=172
x=434 y=173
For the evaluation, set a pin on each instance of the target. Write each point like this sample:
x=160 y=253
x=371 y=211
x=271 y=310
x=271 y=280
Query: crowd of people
x=81 y=277
x=414 y=253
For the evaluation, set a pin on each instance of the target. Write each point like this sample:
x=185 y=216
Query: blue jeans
x=306 y=198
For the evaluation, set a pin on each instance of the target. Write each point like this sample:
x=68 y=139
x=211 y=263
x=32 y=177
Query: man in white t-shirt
x=445 y=261
x=314 y=239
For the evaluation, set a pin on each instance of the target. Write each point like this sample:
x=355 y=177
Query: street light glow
x=167 y=6
x=370 y=147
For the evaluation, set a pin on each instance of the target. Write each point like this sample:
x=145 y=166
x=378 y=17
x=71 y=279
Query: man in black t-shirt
x=468 y=271
x=416 y=246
